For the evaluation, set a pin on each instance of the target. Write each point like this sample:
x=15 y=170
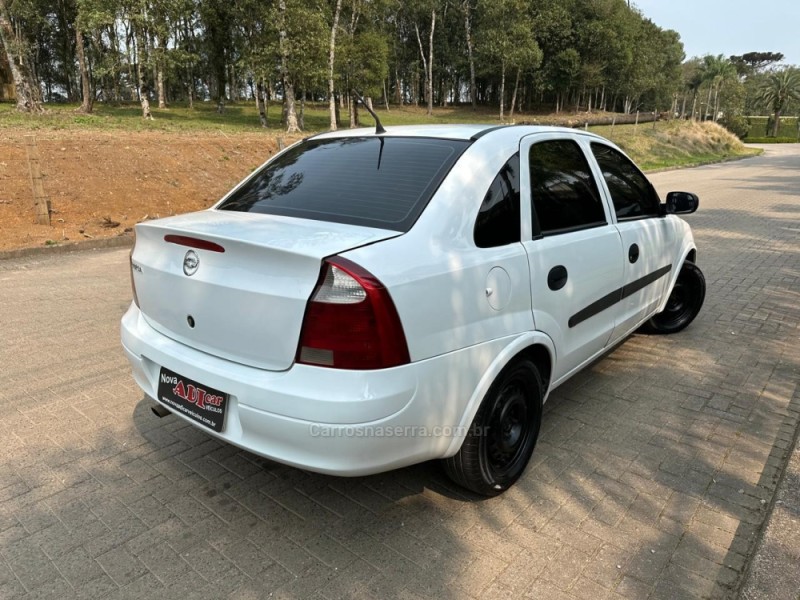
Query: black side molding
x=617 y=295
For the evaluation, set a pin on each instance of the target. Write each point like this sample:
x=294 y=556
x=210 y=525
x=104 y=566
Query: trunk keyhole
x=190 y=320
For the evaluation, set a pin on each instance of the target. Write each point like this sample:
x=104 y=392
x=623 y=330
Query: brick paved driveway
x=652 y=476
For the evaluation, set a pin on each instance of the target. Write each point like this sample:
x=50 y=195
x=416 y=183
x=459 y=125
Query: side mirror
x=681 y=203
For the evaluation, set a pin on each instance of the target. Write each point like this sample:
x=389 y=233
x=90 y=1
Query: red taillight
x=351 y=321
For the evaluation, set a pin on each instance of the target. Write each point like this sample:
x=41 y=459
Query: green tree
x=506 y=40
x=716 y=70
x=25 y=83
x=753 y=62
x=778 y=91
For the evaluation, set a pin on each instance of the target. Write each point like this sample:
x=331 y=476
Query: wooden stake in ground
x=40 y=200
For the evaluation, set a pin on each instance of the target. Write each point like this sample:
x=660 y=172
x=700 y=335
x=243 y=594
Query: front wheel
x=500 y=441
x=683 y=304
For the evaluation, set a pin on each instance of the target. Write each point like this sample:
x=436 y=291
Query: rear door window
x=383 y=182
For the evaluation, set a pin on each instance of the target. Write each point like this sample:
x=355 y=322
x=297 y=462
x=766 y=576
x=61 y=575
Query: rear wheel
x=683 y=304
x=503 y=434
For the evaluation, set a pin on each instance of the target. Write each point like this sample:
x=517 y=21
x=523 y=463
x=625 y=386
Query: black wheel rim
x=682 y=302
x=509 y=430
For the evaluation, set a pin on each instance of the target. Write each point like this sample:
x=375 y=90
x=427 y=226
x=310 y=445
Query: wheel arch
x=540 y=355
x=689 y=253
x=536 y=346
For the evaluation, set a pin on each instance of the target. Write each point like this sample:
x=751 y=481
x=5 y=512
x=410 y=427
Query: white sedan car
x=368 y=300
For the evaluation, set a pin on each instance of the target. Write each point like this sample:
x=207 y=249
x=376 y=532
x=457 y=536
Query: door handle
x=557 y=277
x=633 y=253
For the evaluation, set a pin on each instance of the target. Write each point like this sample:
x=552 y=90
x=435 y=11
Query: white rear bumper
x=325 y=420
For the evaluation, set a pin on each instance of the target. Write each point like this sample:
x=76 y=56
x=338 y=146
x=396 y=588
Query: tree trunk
x=683 y=107
x=130 y=54
x=292 y=125
x=142 y=85
x=331 y=56
x=162 y=98
x=424 y=67
x=398 y=88
x=502 y=87
x=468 y=30
x=260 y=103
x=288 y=85
x=708 y=103
x=430 y=63
x=189 y=38
x=302 y=118
x=776 y=126
x=352 y=106
x=232 y=87
x=266 y=97
x=26 y=88
x=112 y=36
x=68 y=61
x=514 y=96
x=86 y=105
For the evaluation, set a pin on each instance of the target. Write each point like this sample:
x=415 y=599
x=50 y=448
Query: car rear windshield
x=383 y=182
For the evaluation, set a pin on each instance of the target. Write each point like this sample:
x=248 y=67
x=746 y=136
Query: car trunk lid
x=245 y=299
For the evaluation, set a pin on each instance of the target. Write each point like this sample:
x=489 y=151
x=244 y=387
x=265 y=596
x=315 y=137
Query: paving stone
x=121 y=566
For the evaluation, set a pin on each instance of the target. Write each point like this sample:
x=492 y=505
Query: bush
x=762 y=126
x=736 y=124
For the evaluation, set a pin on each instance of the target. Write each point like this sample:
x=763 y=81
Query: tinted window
x=632 y=194
x=377 y=182
x=498 y=220
x=563 y=191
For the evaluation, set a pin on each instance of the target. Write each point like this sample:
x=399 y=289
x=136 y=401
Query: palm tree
x=715 y=70
x=779 y=89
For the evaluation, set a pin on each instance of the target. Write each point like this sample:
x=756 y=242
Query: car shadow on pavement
x=655 y=460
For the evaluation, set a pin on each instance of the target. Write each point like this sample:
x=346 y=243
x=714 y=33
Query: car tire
x=683 y=304
x=502 y=436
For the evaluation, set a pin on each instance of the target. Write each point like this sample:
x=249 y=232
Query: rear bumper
x=325 y=420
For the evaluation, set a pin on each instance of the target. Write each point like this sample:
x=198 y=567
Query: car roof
x=454 y=132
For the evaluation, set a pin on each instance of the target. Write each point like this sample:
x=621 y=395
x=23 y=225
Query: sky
x=730 y=26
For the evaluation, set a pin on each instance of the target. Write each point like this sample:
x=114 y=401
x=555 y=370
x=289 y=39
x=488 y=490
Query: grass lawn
x=668 y=144
x=237 y=117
